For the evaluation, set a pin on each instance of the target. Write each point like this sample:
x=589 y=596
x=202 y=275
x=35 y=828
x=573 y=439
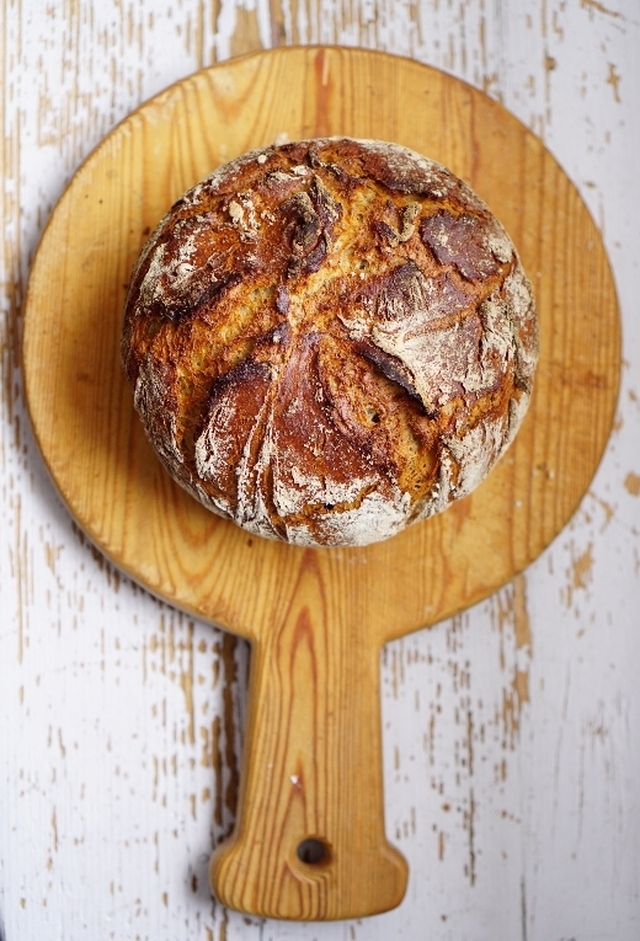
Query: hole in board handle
x=313 y=852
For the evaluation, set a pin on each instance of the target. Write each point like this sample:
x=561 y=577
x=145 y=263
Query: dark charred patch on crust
x=460 y=241
x=311 y=261
x=329 y=209
x=399 y=225
x=401 y=173
x=386 y=234
x=313 y=215
x=305 y=231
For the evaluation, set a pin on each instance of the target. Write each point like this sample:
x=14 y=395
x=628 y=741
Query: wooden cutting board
x=309 y=841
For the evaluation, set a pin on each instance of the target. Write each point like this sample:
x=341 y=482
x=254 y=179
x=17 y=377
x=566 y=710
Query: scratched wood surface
x=511 y=751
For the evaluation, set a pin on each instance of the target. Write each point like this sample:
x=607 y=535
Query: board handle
x=309 y=841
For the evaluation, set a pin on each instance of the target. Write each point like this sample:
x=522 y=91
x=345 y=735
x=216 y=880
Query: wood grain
x=340 y=604
x=312 y=767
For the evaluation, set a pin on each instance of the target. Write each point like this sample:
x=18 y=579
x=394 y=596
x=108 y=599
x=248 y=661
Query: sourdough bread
x=329 y=340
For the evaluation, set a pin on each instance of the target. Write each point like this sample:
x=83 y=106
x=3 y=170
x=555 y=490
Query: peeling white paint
x=510 y=732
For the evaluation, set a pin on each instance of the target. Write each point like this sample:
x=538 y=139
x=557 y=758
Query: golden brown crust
x=329 y=340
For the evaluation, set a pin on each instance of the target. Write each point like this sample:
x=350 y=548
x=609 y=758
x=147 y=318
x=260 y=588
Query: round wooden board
x=332 y=608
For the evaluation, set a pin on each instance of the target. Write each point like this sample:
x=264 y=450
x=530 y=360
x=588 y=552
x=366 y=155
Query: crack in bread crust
x=329 y=340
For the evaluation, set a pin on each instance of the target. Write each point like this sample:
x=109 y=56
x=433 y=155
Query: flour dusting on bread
x=330 y=340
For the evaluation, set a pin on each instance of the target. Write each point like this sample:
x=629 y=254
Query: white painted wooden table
x=511 y=733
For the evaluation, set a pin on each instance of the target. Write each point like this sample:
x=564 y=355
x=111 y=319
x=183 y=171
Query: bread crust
x=329 y=340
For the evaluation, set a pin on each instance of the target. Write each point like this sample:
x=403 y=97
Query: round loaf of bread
x=330 y=340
